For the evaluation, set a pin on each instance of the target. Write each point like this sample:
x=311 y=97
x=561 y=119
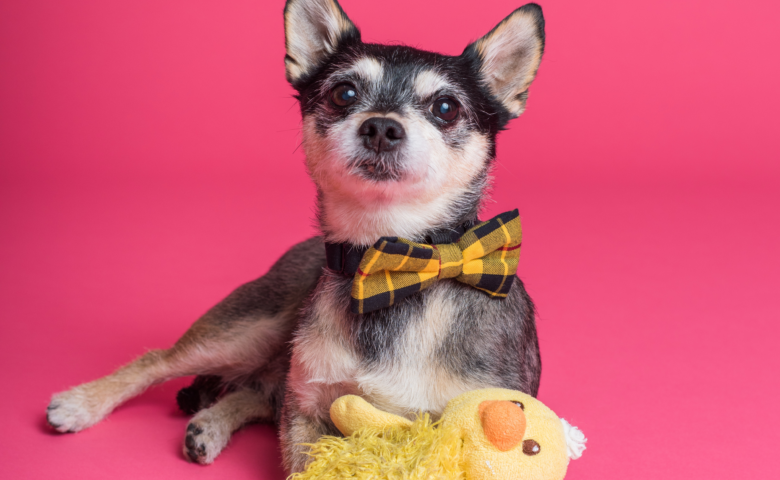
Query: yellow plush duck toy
x=483 y=434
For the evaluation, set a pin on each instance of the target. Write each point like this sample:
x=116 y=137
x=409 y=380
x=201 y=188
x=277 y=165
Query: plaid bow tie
x=484 y=257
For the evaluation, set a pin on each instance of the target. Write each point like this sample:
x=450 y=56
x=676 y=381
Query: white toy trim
x=575 y=440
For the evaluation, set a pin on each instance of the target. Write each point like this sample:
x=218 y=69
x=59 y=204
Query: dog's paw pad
x=204 y=441
x=194 y=429
x=194 y=450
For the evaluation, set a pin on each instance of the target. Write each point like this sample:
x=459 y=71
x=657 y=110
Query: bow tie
x=484 y=257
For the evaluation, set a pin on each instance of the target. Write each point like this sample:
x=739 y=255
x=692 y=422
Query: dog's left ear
x=508 y=56
x=313 y=30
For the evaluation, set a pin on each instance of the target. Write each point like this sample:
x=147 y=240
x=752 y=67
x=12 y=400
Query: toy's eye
x=531 y=448
x=445 y=108
x=343 y=95
x=519 y=404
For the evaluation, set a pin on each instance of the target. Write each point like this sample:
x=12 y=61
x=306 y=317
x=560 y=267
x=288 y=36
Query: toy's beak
x=503 y=423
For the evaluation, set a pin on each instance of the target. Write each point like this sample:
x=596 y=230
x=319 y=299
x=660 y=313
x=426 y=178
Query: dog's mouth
x=378 y=170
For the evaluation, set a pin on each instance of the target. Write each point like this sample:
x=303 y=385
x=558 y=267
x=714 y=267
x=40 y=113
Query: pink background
x=146 y=146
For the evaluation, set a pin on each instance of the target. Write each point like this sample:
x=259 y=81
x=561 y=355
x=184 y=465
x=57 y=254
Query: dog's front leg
x=209 y=431
x=298 y=429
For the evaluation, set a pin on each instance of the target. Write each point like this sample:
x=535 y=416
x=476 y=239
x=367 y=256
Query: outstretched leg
x=209 y=351
x=85 y=405
x=234 y=339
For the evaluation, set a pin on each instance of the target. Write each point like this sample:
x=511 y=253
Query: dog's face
x=399 y=141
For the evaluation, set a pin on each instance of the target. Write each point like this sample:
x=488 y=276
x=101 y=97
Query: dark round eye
x=531 y=448
x=343 y=95
x=520 y=404
x=445 y=108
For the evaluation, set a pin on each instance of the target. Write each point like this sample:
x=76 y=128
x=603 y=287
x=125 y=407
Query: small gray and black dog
x=399 y=142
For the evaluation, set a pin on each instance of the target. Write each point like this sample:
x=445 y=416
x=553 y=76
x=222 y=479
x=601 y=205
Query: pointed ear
x=313 y=29
x=508 y=56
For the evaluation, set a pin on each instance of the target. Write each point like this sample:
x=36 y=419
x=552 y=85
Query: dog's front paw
x=74 y=410
x=205 y=439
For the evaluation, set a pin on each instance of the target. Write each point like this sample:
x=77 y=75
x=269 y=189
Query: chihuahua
x=399 y=142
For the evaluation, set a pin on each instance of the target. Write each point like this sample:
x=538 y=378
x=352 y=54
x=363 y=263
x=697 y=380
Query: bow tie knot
x=484 y=257
x=451 y=260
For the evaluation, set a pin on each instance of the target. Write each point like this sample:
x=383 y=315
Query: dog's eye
x=519 y=404
x=445 y=108
x=343 y=95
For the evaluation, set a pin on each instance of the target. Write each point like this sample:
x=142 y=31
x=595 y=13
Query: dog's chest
x=394 y=361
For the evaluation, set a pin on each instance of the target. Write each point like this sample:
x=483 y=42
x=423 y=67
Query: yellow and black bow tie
x=484 y=257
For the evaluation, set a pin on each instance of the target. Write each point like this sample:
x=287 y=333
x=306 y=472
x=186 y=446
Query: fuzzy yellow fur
x=381 y=446
x=422 y=451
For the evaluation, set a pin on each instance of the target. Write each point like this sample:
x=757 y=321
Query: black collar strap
x=345 y=257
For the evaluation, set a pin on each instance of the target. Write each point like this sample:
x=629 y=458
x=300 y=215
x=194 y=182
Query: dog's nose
x=381 y=134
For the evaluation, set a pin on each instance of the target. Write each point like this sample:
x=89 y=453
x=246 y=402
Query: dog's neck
x=345 y=257
x=347 y=220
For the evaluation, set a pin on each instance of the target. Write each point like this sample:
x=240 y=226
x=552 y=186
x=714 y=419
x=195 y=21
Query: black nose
x=381 y=134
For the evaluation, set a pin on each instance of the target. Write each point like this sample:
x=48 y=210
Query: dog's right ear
x=508 y=56
x=313 y=30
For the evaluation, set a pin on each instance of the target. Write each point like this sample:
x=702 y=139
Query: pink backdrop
x=146 y=145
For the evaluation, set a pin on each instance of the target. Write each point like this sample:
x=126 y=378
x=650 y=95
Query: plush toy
x=483 y=434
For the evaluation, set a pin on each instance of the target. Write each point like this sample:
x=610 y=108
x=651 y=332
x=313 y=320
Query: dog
x=399 y=142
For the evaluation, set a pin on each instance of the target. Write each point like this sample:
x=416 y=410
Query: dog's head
x=399 y=141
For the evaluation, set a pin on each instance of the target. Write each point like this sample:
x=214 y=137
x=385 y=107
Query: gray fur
x=283 y=347
x=281 y=290
x=485 y=343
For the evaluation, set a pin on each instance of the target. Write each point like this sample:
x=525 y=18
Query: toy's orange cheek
x=503 y=423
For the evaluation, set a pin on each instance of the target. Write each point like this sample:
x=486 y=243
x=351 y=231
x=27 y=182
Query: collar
x=345 y=257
